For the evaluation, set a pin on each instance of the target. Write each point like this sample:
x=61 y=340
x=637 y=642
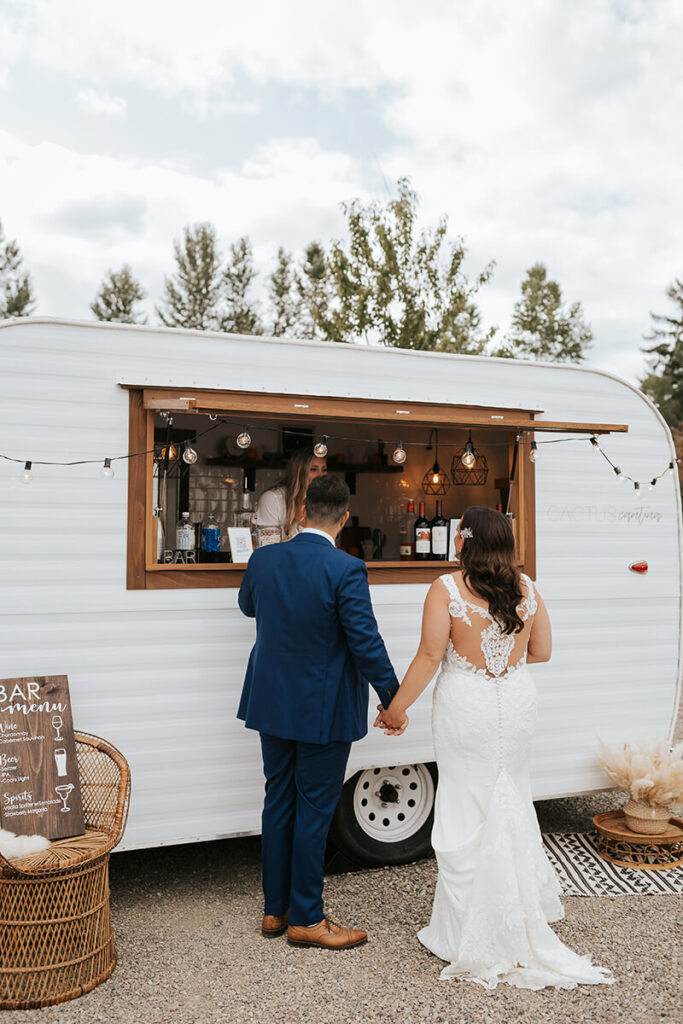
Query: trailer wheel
x=385 y=815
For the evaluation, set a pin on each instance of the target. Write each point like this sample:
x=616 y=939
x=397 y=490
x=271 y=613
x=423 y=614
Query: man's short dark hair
x=327 y=499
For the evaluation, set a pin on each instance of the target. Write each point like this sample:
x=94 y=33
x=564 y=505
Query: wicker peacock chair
x=56 y=939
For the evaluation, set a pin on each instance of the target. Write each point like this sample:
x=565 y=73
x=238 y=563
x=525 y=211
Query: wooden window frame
x=144 y=574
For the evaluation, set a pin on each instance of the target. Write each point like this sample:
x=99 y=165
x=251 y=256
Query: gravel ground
x=187 y=922
x=187 y=925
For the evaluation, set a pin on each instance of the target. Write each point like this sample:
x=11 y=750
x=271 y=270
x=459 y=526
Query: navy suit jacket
x=317 y=643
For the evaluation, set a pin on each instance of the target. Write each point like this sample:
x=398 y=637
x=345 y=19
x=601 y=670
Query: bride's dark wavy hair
x=487 y=565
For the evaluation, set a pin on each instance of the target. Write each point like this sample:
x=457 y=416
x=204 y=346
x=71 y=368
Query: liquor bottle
x=184 y=534
x=422 y=532
x=406 y=541
x=244 y=517
x=211 y=535
x=439 y=535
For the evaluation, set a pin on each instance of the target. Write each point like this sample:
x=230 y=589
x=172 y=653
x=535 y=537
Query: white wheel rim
x=392 y=804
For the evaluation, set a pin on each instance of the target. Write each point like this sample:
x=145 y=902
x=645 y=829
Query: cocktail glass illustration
x=60 y=759
x=57 y=723
x=63 y=792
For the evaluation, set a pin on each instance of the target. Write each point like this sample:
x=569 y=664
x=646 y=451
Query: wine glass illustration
x=63 y=792
x=57 y=723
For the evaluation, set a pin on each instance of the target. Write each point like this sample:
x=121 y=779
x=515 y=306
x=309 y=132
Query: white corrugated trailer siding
x=159 y=672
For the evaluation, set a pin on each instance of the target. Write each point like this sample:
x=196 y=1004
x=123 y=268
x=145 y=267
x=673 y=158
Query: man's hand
x=394 y=723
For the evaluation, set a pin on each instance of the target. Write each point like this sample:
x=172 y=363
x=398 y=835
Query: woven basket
x=646 y=819
x=56 y=939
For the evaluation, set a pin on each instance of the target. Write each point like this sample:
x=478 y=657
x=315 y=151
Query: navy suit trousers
x=303 y=785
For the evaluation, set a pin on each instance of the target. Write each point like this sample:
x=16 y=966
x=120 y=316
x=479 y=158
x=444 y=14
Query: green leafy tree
x=664 y=382
x=542 y=326
x=117 y=297
x=16 y=290
x=285 y=296
x=393 y=284
x=239 y=314
x=192 y=294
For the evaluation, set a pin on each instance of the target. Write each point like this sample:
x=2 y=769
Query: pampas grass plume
x=651 y=772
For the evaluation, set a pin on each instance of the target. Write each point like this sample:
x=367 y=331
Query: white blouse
x=271 y=509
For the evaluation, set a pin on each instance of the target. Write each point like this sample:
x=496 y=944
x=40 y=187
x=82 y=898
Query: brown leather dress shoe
x=326 y=935
x=272 y=925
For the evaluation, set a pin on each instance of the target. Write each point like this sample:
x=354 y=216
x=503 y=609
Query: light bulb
x=107 y=471
x=534 y=453
x=435 y=478
x=594 y=442
x=189 y=454
x=244 y=439
x=213 y=416
x=653 y=484
x=636 y=487
x=27 y=473
x=321 y=448
x=672 y=466
x=399 y=456
x=468 y=459
x=620 y=475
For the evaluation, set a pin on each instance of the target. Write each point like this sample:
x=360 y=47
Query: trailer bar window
x=210 y=455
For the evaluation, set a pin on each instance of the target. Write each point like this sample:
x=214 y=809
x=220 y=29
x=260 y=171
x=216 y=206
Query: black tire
x=351 y=840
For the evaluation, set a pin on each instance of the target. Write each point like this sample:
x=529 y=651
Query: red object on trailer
x=640 y=567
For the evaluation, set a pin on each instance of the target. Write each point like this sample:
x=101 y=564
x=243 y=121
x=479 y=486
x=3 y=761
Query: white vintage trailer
x=156 y=667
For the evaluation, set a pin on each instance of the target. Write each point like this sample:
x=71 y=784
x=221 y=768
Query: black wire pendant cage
x=475 y=474
x=435 y=481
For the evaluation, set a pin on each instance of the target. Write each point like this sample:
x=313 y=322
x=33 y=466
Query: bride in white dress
x=496 y=890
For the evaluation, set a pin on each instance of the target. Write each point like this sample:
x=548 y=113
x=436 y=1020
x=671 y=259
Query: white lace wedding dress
x=496 y=890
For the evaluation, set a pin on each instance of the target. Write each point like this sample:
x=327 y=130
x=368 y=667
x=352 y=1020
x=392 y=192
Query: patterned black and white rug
x=583 y=872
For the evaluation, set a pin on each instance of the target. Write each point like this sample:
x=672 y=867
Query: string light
x=671 y=467
x=244 y=439
x=653 y=483
x=594 y=442
x=189 y=454
x=107 y=471
x=321 y=448
x=620 y=475
x=399 y=456
x=636 y=487
x=27 y=473
x=534 y=452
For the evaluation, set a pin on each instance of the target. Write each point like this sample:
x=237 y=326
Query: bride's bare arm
x=541 y=636
x=436 y=626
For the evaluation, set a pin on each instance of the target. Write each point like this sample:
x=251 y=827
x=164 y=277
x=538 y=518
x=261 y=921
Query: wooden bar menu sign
x=40 y=791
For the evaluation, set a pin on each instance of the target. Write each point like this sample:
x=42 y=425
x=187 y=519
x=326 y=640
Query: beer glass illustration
x=57 y=723
x=63 y=792
x=60 y=759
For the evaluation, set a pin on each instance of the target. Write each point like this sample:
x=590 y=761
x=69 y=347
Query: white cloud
x=546 y=130
x=94 y=102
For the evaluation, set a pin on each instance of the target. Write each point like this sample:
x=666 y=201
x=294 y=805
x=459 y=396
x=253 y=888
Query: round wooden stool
x=617 y=843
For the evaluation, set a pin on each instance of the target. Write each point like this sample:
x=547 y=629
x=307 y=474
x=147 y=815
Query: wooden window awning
x=262 y=405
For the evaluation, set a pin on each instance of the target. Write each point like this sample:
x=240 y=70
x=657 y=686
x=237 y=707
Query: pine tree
x=239 y=314
x=117 y=296
x=664 y=382
x=284 y=296
x=313 y=286
x=192 y=295
x=402 y=287
x=16 y=290
x=542 y=328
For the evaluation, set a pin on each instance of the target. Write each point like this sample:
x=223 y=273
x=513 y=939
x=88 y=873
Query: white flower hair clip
x=466 y=533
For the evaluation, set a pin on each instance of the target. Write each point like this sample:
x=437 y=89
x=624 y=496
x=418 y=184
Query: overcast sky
x=545 y=129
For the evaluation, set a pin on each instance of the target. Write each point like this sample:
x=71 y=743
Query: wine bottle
x=422 y=532
x=406 y=538
x=439 y=535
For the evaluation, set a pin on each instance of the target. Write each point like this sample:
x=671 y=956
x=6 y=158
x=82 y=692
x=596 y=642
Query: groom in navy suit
x=306 y=692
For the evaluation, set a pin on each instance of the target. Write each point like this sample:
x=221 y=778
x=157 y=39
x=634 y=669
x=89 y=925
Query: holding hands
x=392 y=720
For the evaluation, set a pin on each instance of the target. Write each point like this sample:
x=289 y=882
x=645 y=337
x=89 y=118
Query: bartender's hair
x=327 y=499
x=294 y=483
x=487 y=565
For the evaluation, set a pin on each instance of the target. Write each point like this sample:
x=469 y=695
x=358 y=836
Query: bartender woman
x=282 y=504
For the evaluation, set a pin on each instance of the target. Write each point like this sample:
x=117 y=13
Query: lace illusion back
x=478 y=643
